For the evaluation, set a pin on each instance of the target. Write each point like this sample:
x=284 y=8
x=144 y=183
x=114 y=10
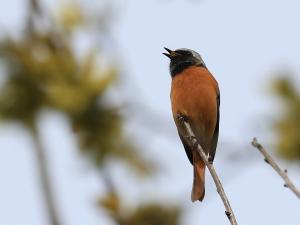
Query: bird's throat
x=177 y=68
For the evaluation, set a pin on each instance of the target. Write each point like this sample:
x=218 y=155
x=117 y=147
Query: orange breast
x=194 y=94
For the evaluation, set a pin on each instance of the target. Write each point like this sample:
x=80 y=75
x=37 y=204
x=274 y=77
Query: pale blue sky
x=242 y=43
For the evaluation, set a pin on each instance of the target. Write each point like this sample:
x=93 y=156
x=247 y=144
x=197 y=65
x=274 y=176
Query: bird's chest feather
x=194 y=94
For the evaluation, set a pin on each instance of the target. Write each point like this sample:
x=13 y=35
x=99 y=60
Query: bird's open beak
x=171 y=54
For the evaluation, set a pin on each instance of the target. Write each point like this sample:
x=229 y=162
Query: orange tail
x=198 y=191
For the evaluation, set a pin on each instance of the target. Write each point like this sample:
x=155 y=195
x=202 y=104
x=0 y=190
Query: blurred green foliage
x=287 y=127
x=147 y=214
x=42 y=71
x=153 y=214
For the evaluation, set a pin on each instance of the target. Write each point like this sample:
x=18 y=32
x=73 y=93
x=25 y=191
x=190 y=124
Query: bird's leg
x=181 y=119
x=192 y=139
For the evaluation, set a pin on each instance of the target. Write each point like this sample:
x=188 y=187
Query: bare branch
x=283 y=173
x=193 y=142
x=45 y=179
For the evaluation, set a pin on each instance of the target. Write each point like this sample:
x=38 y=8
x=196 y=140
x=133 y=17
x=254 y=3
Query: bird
x=195 y=96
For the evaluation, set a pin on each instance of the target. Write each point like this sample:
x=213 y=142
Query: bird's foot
x=182 y=118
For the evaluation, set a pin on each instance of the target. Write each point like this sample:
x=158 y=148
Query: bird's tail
x=198 y=190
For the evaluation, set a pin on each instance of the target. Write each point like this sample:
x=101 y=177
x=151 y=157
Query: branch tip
x=254 y=141
x=282 y=173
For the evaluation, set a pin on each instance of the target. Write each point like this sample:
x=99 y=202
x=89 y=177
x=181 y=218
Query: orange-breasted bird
x=195 y=96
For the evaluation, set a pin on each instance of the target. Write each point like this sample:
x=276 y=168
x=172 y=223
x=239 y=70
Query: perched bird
x=195 y=96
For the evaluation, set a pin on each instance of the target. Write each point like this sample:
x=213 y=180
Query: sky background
x=244 y=44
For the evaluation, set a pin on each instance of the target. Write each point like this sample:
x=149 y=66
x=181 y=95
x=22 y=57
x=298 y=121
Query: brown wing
x=187 y=148
x=212 y=151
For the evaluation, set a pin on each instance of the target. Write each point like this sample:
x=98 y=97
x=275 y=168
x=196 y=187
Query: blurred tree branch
x=190 y=137
x=44 y=176
x=282 y=173
x=44 y=72
x=146 y=214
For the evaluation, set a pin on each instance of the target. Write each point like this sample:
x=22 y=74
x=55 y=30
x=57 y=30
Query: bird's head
x=183 y=58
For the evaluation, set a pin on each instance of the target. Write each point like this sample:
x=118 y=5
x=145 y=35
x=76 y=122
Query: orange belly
x=194 y=94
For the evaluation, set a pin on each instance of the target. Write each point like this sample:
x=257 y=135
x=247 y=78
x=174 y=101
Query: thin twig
x=194 y=143
x=283 y=173
x=45 y=178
